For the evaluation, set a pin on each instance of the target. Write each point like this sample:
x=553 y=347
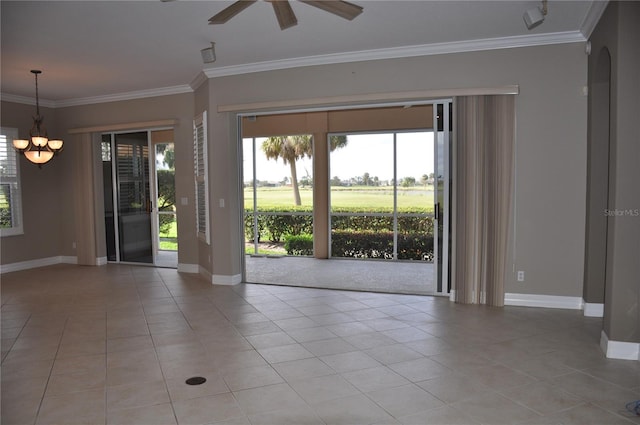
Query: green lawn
x=354 y=196
x=249 y=249
x=169 y=239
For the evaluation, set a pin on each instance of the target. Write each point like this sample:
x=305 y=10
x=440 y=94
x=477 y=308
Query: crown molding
x=528 y=40
x=595 y=12
x=402 y=52
x=414 y=97
x=26 y=100
x=139 y=94
x=198 y=80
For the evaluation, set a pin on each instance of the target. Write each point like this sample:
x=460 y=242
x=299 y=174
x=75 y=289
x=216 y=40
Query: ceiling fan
x=284 y=12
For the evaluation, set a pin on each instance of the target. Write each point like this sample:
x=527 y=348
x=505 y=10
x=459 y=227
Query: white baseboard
x=535 y=300
x=593 y=309
x=545 y=301
x=219 y=279
x=68 y=259
x=619 y=349
x=40 y=262
x=101 y=261
x=188 y=268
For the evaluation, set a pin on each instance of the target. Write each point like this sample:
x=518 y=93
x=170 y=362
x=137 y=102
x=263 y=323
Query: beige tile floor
x=114 y=345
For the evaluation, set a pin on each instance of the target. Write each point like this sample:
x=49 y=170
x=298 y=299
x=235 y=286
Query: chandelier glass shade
x=38 y=149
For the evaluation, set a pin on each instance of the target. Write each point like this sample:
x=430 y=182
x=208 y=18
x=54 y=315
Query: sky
x=364 y=153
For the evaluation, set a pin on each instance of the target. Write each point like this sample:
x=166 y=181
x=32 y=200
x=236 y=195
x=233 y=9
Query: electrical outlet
x=73 y=245
x=520 y=276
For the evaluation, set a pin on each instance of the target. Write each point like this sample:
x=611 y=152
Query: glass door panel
x=362 y=197
x=167 y=231
x=278 y=195
x=442 y=193
x=133 y=196
x=414 y=161
x=109 y=205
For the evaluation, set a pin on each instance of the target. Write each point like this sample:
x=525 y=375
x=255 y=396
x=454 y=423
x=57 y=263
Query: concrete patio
x=355 y=275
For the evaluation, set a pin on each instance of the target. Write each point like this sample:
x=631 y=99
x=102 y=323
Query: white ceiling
x=93 y=49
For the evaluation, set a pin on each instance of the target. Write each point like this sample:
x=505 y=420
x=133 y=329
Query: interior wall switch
x=221 y=202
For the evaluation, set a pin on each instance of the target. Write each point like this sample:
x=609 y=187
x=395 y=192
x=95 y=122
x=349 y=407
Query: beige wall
x=177 y=107
x=224 y=191
x=201 y=104
x=551 y=139
x=619 y=33
x=550 y=161
x=41 y=193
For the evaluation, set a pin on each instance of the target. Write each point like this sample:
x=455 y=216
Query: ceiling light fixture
x=38 y=149
x=209 y=54
x=535 y=16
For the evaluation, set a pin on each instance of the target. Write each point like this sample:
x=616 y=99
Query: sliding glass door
x=128 y=202
x=382 y=196
x=375 y=186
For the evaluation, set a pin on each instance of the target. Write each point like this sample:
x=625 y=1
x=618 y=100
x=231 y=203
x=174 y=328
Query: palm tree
x=293 y=148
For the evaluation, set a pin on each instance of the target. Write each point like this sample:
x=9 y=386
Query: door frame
x=394 y=214
x=442 y=219
x=437 y=100
x=153 y=191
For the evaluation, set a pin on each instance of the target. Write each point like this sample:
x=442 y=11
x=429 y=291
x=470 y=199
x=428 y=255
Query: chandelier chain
x=36 y=72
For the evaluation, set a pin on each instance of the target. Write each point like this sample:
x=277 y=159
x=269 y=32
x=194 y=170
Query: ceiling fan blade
x=284 y=13
x=344 y=9
x=231 y=11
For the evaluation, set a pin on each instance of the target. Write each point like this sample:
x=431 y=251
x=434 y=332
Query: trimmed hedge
x=299 y=244
x=363 y=236
x=370 y=244
x=407 y=224
x=366 y=245
x=275 y=227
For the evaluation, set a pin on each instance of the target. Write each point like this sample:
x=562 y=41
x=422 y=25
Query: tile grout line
x=55 y=357
x=155 y=348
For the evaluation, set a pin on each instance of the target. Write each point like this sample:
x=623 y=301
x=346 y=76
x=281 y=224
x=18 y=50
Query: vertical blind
x=200 y=162
x=484 y=149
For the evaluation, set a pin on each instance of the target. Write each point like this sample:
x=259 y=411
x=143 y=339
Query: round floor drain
x=196 y=380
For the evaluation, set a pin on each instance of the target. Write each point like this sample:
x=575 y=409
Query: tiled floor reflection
x=114 y=345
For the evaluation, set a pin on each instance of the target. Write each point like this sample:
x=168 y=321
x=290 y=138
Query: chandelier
x=38 y=149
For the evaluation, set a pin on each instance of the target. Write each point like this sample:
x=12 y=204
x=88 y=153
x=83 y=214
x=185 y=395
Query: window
x=200 y=162
x=10 y=198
